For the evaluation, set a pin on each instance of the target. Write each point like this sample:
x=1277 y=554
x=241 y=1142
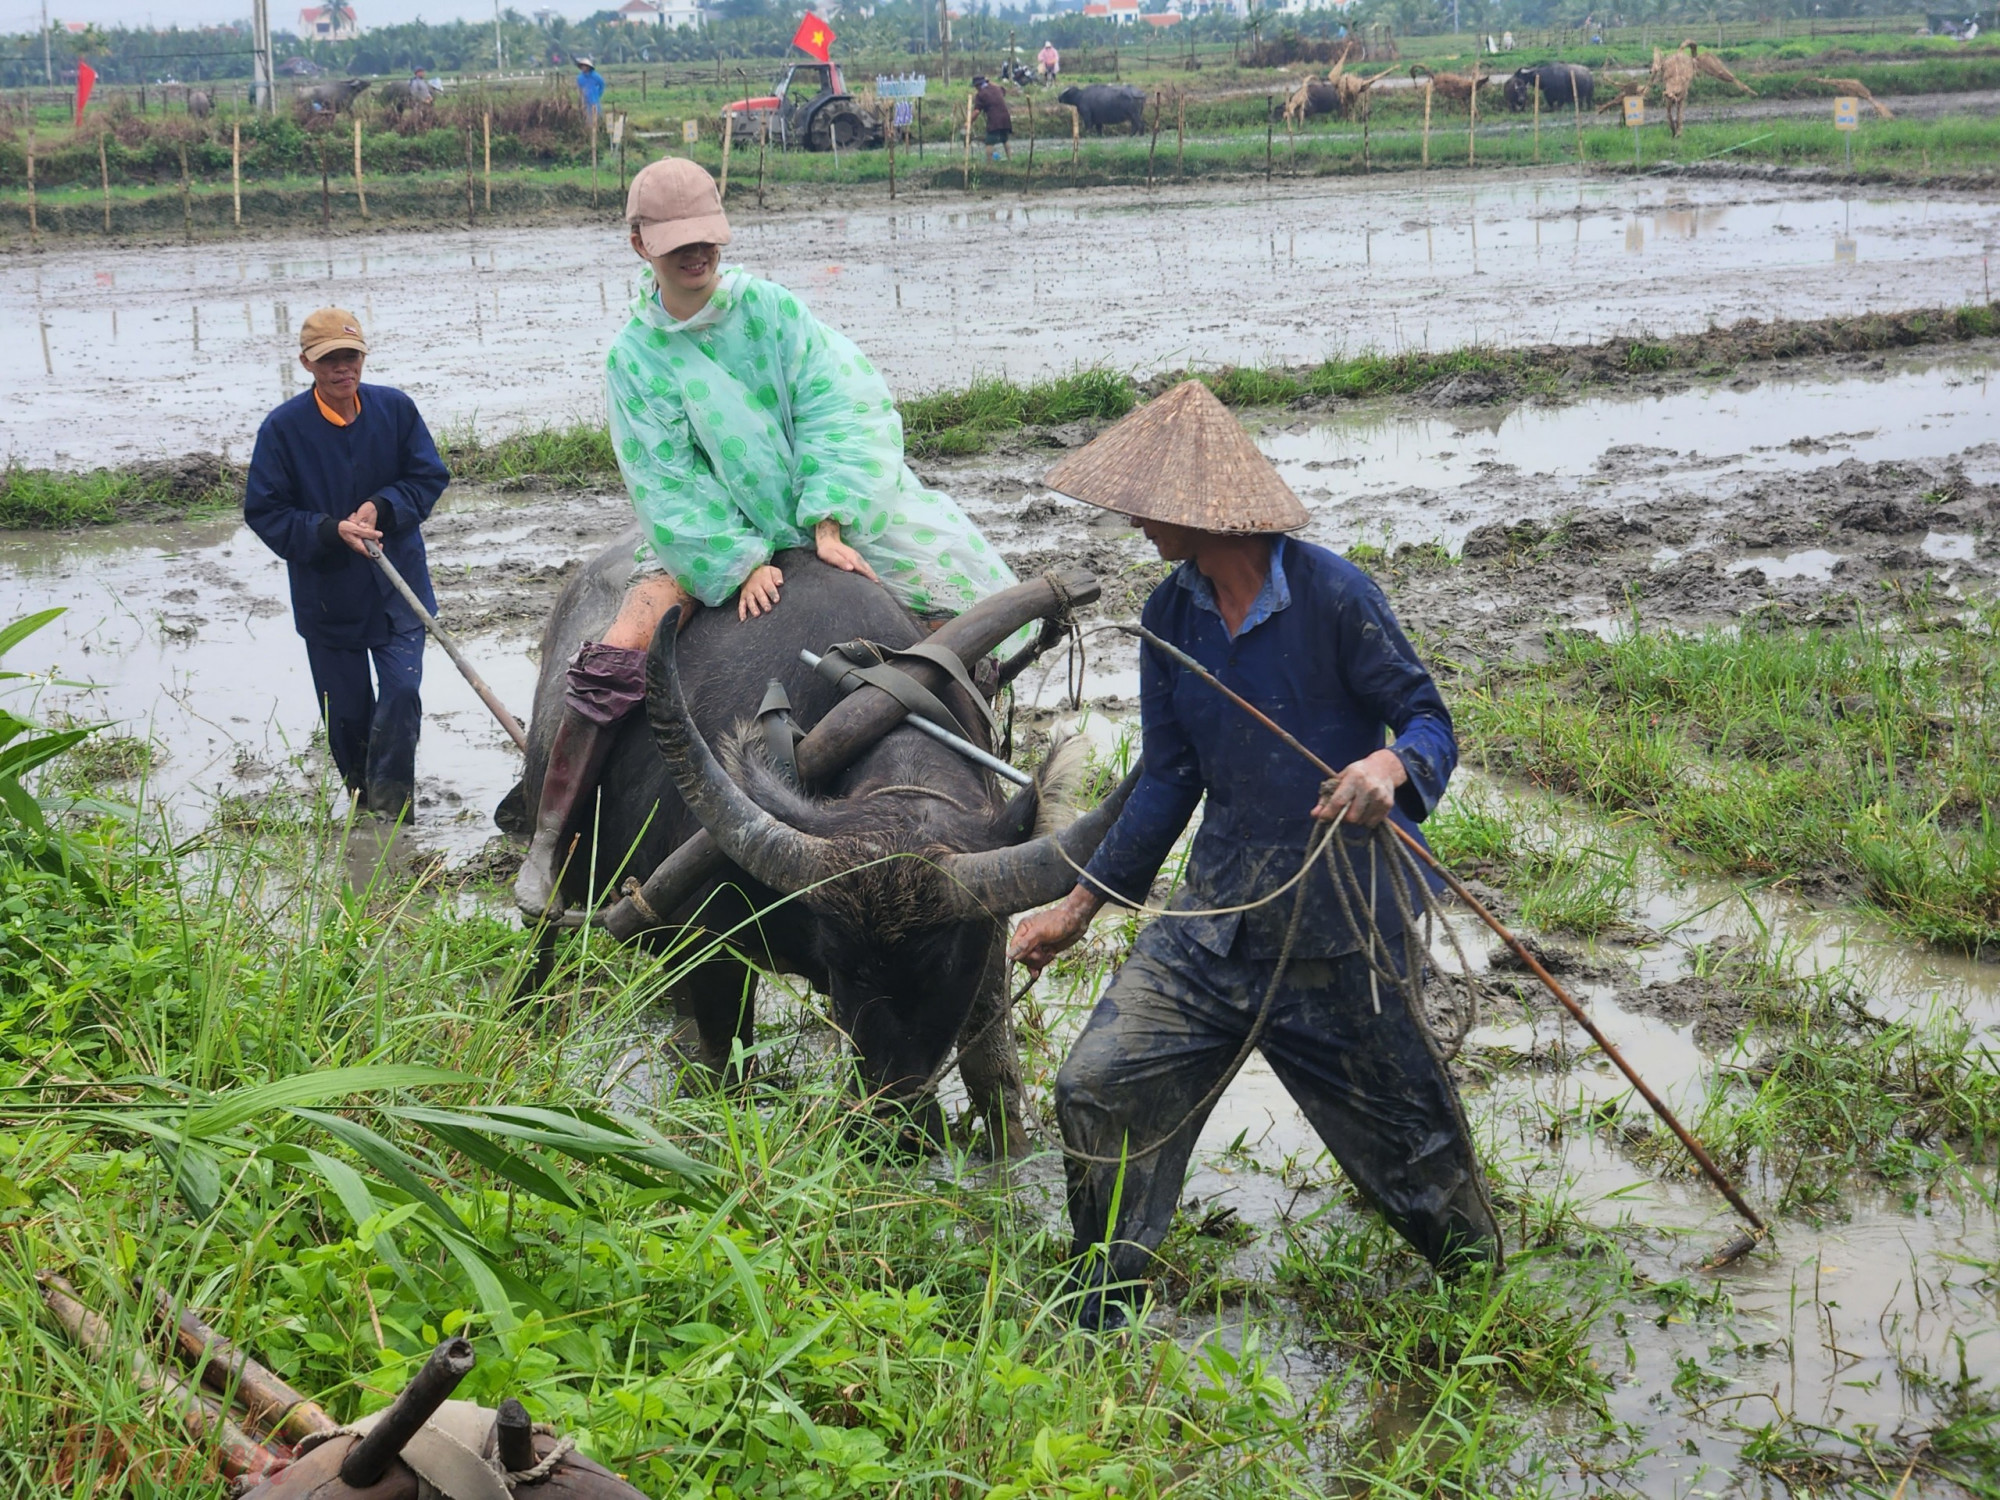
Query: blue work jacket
x=307 y=475
x=1321 y=653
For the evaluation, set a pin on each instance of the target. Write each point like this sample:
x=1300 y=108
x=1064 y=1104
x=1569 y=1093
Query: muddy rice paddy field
x=1780 y=1010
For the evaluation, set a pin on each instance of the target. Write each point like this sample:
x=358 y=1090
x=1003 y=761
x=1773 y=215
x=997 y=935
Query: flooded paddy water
x=1810 y=493
x=127 y=353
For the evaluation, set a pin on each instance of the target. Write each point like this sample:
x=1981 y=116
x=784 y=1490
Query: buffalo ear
x=1017 y=819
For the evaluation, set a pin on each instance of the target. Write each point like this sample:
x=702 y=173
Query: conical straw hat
x=1184 y=459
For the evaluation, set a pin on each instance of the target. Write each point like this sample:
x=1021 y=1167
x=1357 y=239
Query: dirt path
x=131 y=354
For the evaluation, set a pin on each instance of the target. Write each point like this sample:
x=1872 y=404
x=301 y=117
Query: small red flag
x=86 y=80
x=814 y=38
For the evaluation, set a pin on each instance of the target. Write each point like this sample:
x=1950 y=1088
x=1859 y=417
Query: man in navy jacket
x=1308 y=638
x=336 y=468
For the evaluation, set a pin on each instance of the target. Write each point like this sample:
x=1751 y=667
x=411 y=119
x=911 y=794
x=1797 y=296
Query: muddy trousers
x=372 y=725
x=1167 y=1029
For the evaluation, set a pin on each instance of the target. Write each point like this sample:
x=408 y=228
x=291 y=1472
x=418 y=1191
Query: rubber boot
x=575 y=759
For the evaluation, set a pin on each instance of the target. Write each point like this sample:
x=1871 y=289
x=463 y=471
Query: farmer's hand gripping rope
x=1331 y=993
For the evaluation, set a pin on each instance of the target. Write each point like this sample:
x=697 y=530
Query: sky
x=24 y=15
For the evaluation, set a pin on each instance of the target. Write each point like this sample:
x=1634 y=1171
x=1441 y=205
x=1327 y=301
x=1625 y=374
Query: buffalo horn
x=1000 y=882
x=765 y=848
x=855 y=723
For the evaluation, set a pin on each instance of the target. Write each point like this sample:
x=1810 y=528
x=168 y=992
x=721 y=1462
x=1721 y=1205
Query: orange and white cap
x=329 y=329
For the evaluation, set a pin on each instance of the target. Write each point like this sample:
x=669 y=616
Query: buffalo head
x=905 y=879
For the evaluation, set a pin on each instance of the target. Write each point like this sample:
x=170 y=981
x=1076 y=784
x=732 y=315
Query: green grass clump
x=964 y=421
x=565 y=456
x=55 y=499
x=1864 y=757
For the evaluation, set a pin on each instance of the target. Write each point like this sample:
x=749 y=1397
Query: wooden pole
x=486 y=129
x=763 y=140
x=1291 y=146
x=1180 y=134
x=1075 y=140
x=360 y=184
x=236 y=170
x=325 y=194
x=1427 y=122
x=187 y=207
x=1153 y=144
x=104 y=176
x=1472 y=117
x=1366 y=164
x=1268 y=112
x=1031 y=137
x=889 y=136
x=723 y=190
x=1576 y=113
x=593 y=161
x=467 y=136
x=968 y=142
x=1538 y=124
x=34 y=224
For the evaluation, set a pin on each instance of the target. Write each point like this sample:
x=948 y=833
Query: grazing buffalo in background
x=331 y=98
x=1561 y=83
x=1101 y=104
x=907 y=948
x=199 y=104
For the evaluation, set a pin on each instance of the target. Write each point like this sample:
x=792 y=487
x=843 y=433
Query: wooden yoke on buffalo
x=862 y=718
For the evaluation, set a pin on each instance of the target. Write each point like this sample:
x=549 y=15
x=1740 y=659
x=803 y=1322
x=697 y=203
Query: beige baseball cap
x=329 y=329
x=673 y=203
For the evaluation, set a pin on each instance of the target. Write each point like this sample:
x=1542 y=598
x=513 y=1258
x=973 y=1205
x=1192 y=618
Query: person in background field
x=422 y=90
x=336 y=468
x=991 y=101
x=1307 y=637
x=1050 y=60
x=589 y=84
x=743 y=426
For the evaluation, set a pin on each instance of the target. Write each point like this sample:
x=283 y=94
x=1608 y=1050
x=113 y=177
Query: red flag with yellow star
x=814 y=38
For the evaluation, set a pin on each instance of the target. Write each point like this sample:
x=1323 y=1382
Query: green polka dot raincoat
x=742 y=428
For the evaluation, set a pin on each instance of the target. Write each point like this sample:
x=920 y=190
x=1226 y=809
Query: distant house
x=327 y=23
x=638 y=13
x=1162 y=18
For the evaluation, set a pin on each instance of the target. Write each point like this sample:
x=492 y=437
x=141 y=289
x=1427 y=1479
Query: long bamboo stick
x=236 y=1450
x=273 y=1406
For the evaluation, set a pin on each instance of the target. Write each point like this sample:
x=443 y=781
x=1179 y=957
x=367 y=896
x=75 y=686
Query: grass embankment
x=959 y=423
x=1863 y=758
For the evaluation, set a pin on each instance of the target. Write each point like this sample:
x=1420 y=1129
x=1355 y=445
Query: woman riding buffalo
x=743 y=426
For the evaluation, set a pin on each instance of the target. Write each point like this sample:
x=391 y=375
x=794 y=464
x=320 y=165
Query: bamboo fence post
x=593 y=165
x=486 y=131
x=187 y=207
x=1366 y=164
x=1180 y=134
x=888 y=136
x=1472 y=118
x=1153 y=144
x=236 y=170
x=466 y=135
x=325 y=194
x=104 y=176
x=1538 y=124
x=763 y=140
x=360 y=185
x=34 y=224
x=1075 y=140
x=1291 y=146
x=1267 y=136
x=968 y=144
x=723 y=190
x=1030 y=102
x=1427 y=123
x=1576 y=113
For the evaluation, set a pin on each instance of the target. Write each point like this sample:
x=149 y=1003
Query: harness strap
x=853 y=663
x=781 y=735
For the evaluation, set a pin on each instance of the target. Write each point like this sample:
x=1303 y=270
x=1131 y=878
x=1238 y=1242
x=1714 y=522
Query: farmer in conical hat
x=1308 y=638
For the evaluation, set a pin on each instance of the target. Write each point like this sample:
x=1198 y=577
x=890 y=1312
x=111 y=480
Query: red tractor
x=809 y=107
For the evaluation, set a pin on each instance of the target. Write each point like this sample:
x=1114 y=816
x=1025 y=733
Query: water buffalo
x=1101 y=104
x=906 y=948
x=331 y=98
x=1561 y=83
x=200 y=106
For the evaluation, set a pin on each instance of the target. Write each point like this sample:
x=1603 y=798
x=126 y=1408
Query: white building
x=327 y=23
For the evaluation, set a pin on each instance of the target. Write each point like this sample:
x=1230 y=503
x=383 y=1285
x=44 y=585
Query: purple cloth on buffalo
x=606 y=682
